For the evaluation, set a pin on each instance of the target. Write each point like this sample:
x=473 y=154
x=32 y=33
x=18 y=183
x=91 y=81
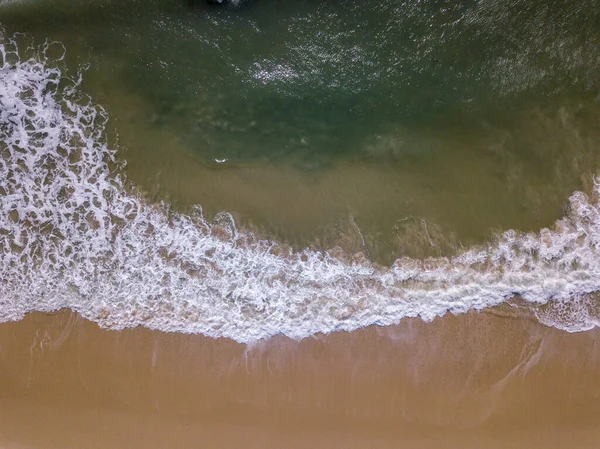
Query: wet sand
x=477 y=380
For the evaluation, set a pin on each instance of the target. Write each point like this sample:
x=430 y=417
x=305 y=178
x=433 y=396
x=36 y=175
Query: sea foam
x=74 y=234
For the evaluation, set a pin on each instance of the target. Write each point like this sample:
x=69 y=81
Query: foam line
x=74 y=234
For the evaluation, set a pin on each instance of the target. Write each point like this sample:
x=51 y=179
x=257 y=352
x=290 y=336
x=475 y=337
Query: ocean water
x=299 y=167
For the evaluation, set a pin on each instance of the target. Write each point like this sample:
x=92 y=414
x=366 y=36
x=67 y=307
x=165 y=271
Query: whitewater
x=74 y=233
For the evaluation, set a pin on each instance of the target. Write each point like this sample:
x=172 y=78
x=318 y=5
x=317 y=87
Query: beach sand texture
x=475 y=380
x=339 y=226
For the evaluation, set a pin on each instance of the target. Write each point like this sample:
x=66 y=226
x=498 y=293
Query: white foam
x=72 y=234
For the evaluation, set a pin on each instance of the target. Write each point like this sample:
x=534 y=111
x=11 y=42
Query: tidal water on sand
x=356 y=165
x=223 y=188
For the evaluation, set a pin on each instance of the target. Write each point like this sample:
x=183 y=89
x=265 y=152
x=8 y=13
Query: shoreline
x=458 y=381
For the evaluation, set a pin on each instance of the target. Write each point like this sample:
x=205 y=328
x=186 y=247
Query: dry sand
x=474 y=381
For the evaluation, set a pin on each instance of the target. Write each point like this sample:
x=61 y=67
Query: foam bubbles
x=74 y=234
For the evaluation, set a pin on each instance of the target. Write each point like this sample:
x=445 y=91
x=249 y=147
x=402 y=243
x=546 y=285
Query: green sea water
x=389 y=127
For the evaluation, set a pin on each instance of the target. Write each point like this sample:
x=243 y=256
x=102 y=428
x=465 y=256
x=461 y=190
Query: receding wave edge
x=73 y=234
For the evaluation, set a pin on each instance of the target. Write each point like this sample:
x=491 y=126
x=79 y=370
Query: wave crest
x=74 y=234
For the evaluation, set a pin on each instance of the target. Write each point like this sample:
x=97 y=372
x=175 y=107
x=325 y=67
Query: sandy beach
x=476 y=380
x=272 y=192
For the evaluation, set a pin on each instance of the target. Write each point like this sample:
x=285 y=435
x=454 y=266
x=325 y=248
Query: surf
x=74 y=233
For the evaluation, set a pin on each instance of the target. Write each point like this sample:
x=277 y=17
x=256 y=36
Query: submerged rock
x=224 y=2
x=215 y=2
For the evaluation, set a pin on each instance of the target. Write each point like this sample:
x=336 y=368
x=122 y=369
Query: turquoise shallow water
x=390 y=133
x=472 y=116
x=310 y=82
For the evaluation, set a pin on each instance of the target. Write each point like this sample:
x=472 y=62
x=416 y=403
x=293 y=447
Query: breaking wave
x=74 y=234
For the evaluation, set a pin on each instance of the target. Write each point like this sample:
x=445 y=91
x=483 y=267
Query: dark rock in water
x=195 y=3
x=214 y=2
